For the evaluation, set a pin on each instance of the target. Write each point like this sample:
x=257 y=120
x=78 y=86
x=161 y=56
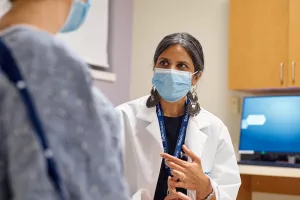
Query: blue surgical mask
x=172 y=85
x=77 y=15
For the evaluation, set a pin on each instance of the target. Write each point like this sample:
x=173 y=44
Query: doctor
x=198 y=157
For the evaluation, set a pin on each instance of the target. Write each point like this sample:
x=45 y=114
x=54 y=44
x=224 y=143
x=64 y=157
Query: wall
x=119 y=51
x=207 y=20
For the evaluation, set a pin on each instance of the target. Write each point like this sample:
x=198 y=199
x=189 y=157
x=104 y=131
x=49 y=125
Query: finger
x=174 y=178
x=183 y=196
x=191 y=154
x=175 y=184
x=173 y=166
x=172 y=197
x=177 y=195
x=170 y=188
x=179 y=175
x=171 y=191
x=173 y=159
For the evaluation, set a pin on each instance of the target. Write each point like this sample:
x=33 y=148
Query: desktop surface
x=273 y=171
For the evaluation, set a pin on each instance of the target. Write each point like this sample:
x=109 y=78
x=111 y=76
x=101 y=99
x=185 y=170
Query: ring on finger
x=182 y=177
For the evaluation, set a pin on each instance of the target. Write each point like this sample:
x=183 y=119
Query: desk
x=278 y=180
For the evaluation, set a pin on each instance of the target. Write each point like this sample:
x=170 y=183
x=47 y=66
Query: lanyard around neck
x=181 y=136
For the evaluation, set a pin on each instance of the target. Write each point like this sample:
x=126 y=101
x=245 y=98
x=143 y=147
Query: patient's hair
x=190 y=43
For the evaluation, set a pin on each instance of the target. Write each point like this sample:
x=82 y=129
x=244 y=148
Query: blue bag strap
x=9 y=67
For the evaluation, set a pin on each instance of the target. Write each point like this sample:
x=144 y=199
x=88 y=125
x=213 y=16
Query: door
x=258 y=44
x=294 y=44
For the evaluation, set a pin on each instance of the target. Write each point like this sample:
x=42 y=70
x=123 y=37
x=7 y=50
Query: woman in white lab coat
x=195 y=145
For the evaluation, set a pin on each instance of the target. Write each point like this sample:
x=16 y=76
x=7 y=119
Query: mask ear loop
x=195 y=73
x=194 y=87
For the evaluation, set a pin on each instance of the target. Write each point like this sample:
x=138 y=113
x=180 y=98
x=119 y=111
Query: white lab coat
x=206 y=136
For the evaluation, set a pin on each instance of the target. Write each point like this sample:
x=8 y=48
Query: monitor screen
x=270 y=124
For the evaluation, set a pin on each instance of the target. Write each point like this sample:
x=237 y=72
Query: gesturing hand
x=177 y=196
x=190 y=175
x=174 y=195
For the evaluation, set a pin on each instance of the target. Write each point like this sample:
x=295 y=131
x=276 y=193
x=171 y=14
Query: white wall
x=119 y=57
x=207 y=20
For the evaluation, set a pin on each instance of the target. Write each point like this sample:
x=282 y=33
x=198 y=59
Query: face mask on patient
x=78 y=13
x=5 y=6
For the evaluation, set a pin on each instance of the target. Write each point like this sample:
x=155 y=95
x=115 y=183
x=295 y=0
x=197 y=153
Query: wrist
x=203 y=192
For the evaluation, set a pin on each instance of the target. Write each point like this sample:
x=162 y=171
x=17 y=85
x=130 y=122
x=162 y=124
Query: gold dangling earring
x=153 y=99
x=193 y=106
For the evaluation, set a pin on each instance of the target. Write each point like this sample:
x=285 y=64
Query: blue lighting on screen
x=271 y=124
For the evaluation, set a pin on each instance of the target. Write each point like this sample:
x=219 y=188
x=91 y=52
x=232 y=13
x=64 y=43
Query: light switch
x=235 y=105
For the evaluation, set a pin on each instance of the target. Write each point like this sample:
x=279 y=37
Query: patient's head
x=50 y=15
x=39 y=13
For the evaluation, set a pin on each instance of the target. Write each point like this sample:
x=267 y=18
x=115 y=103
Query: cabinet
x=264 y=44
x=294 y=43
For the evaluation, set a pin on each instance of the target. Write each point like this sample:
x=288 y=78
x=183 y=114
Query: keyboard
x=269 y=164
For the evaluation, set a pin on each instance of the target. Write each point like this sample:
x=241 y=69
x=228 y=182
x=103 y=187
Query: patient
x=79 y=124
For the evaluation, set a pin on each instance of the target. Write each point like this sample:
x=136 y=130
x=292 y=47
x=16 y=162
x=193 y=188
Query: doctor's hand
x=177 y=196
x=173 y=194
x=190 y=175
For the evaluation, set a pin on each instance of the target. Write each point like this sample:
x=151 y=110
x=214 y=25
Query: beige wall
x=207 y=20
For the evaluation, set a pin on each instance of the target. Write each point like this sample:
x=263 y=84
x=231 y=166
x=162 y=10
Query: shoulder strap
x=10 y=69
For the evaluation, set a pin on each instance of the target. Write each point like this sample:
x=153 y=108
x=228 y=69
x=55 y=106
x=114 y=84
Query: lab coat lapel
x=150 y=164
x=195 y=137
x=149 y=115
x=154 y=130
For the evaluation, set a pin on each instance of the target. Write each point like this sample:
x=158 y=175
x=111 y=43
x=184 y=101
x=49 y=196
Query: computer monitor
x=270 y=124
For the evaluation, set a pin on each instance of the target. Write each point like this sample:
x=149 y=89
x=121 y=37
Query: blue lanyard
x=10 y=68
x=181 y=136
